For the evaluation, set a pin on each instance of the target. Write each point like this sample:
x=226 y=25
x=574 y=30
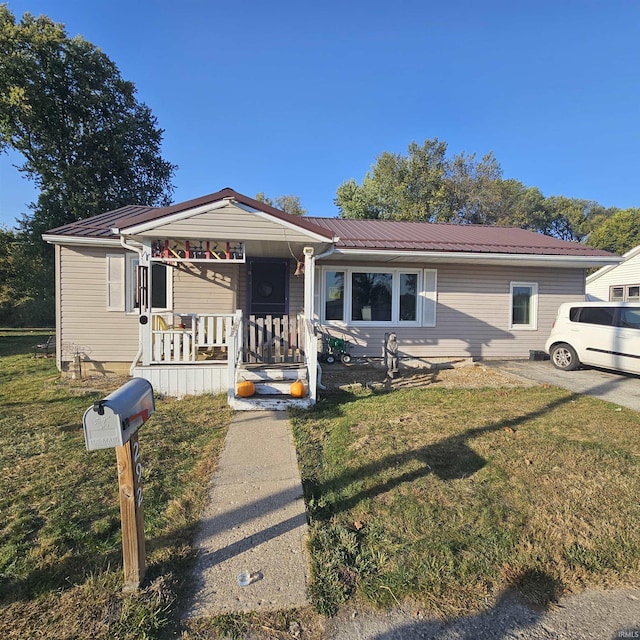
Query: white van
x=599 y=334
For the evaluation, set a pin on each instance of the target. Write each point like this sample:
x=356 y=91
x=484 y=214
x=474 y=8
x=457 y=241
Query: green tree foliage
x=87 y=143
x=399 y=187
x=20 y=304
x=618 y=233
x=290 y=204
x=427 y=185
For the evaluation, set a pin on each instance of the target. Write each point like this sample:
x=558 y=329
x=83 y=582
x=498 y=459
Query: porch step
x=272 y=384
x=277 y=402
x=271 y=372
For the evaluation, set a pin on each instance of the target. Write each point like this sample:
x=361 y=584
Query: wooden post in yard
x=131 y=513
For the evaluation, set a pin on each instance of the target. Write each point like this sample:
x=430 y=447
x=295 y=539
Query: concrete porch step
x=274 y=387
x=271 y=373
x=273 y=402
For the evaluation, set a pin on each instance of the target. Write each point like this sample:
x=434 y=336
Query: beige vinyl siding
x=199 y=288
x=296 y=291
x=229 y=223
x=84 y=322
x=473 y=314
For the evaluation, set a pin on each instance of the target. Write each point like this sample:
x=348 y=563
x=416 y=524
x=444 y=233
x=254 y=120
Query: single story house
x=617 y=282
x=198 y=295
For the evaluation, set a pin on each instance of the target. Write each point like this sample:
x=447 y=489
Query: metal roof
x=377 y=235
x=396 y=235
x=100 y=226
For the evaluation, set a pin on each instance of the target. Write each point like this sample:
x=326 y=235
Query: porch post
x=145 y=307
x=309 y=283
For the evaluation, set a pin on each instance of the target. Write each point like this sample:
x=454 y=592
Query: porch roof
x=111 y=224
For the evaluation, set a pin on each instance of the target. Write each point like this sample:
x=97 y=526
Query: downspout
x=310 y=271
x=138 y=250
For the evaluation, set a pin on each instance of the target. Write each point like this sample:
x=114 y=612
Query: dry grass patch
x=60 y=544
x=448 y=497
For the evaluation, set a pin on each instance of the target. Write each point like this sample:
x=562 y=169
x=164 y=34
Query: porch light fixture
x=299 y=268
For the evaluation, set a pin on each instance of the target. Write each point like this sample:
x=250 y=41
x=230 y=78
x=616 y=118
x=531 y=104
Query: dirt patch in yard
x=462 y=374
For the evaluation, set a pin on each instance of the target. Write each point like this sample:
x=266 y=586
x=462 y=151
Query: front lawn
x=60 y=551
x=446 y=497
x=442 y=497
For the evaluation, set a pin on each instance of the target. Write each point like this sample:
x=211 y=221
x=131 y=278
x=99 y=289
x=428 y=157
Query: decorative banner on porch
x=173 y=251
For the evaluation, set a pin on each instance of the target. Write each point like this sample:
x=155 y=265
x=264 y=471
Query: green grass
x=448 y=497
x=60 y=553
x=419 y=495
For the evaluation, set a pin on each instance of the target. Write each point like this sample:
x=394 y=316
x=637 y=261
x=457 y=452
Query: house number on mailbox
x=138 y=476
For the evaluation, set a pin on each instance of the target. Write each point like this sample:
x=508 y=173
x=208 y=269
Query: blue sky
x=291 y=97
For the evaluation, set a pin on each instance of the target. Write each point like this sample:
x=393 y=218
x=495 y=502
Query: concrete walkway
x=255 y=522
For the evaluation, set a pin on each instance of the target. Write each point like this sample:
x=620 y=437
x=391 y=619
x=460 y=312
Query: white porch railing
x=189 y=337
x=311 y=357
x=234 y=355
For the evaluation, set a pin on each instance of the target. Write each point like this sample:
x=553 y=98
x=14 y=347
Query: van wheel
x=564 y=357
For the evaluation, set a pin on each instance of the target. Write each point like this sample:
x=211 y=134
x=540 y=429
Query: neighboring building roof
x=375 y=235
x=420 y=236
x=632 y=253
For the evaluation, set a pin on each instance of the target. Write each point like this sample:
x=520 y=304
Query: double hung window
x=524 y=305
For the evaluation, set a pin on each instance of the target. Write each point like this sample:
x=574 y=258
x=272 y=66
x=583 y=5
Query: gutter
x=139 y=249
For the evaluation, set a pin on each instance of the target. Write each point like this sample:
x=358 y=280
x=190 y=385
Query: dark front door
x=268 y=287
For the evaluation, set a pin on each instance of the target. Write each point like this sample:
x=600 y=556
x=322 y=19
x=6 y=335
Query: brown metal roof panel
x=99 y=226
x=387 y=234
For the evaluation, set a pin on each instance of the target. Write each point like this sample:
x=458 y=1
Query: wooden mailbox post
x=114 y=422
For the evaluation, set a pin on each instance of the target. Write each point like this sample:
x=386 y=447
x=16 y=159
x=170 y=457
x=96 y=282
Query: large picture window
x=357 y=295
x=524 y=305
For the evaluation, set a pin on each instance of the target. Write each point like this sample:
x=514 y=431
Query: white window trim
x=130 y=297
x=421 y=296
x=533 y=325
x=625 y=292
x=115 y=281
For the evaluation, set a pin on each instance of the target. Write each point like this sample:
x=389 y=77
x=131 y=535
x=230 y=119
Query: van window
x=597 y=315
x=630 y=318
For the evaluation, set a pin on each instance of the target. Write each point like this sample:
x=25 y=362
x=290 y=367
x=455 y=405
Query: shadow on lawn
x=511 y=614
x=450 y=459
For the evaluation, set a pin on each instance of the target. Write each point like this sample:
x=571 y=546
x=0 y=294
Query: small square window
x=616 y=294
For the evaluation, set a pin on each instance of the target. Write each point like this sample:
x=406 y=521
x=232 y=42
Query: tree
x=399 y=187
x=472 y=190
x=290 y=204
x=87 y=143
x=618 y=233
x=426 y=185
x=571 y=219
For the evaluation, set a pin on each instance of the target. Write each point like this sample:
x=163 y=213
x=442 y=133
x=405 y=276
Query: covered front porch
x=193 y=353
x=224 y=291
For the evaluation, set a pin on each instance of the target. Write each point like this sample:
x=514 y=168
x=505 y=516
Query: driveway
x=619 y=388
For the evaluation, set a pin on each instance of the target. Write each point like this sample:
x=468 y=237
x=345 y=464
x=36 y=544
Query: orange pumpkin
x=298 y=389
x=246 y=388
